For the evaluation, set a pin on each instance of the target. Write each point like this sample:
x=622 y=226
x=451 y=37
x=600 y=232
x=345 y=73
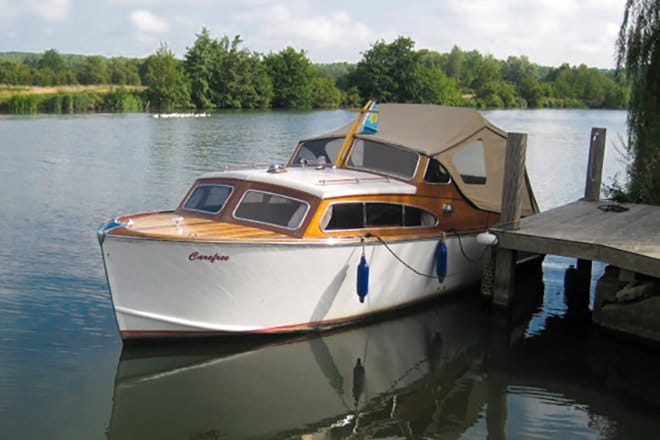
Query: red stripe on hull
x=284 y=329
x=299 y=328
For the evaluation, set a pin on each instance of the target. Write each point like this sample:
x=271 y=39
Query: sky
x=548 y=32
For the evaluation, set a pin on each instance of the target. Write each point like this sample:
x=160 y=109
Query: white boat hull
x=179 y=288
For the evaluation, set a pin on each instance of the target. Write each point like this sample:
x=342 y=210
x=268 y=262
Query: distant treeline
x=220 y=74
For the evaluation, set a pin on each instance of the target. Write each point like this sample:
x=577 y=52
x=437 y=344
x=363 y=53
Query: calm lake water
x=451 y=370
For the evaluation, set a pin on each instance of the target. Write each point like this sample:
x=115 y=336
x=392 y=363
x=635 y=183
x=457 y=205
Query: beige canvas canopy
x=469 y=146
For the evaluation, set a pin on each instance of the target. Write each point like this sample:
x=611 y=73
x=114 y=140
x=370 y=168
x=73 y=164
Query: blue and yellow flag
x=371 y=120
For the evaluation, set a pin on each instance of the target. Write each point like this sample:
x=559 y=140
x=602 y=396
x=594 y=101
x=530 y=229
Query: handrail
x=245 y=166
x=354 y=180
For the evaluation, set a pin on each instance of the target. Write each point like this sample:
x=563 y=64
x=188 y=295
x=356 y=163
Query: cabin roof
x=467 y=144
x=426 y=128
x=323 y=183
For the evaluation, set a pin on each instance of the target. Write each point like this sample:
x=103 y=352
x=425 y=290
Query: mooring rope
x=384 y=243
x=465 y=255
x=417 y=272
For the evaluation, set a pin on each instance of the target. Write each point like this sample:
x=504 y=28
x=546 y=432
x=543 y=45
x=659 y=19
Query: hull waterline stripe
x=301 y=328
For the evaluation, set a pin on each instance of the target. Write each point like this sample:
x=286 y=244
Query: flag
x=371 y=120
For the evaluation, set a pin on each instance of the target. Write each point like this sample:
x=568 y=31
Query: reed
x=115 y=100
x=22 y=104
x=122 y=100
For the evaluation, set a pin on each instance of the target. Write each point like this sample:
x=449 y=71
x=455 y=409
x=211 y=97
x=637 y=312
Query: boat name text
x=196 y=256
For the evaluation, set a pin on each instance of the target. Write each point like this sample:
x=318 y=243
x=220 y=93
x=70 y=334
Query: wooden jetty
x=623 y=235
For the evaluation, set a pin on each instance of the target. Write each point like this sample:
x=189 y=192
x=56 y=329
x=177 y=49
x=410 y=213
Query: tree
x=390 y=72
x=333 y=70
x=51 y=59
x=16 y=74
x=487 y=70
x=169 y=88
x=94 y=70
x=531 y=91
x=395 y=72
x=455 y=62
x=124 y=71
x=292 y=75
x=326 y=94
x=525 y=77
x=253 y=86
x=44 y=77
x=226 y=76
x=638 y=57
x=497 y=94
x=437 y=88
x=200 y=62
x=240 y=79
x=470 y=67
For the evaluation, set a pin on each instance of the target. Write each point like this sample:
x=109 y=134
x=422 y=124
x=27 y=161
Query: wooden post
x=514 y=173
x=592 y=194
x=505 y=277
x=595 y=167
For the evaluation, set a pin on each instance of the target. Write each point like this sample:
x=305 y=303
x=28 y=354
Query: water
x=450 y=370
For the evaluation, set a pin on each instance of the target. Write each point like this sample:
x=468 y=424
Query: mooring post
x=595 y=167
x=591 y=194
x=514 y=174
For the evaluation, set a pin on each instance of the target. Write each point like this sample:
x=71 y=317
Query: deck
x=628 y=239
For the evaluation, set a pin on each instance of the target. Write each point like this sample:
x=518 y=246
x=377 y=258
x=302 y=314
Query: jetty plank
x=629 y=239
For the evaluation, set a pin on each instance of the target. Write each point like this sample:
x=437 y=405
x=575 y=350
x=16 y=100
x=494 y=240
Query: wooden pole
x=595 y=167
x=514 y=173
x=582 y=284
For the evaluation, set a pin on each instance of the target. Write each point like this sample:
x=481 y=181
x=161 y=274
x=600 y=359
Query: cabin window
x=471 y=164
x=346 y=216
x=271 y=209
x=208 y=198
x=360 y=215
x=436 y=173
x=384 y=214
x=383 y=158
x=318 y=151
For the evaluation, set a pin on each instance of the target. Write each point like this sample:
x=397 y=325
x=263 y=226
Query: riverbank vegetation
x=219 y=73
x=639 y=61
x=72 y=99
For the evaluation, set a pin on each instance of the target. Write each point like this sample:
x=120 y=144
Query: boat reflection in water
x=360 y=380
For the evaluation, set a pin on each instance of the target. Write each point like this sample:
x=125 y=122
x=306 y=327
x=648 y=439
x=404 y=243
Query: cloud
x=145 y=21
x=147 y=25
x=327 y=36
x=550 y=32
x=51 y=10
x=47 y=10
x=156 y=3
x=6 y=10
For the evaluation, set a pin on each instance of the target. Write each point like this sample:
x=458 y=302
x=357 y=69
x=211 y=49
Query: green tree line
x=219 y=73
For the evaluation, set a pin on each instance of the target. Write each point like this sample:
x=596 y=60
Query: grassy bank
x=71 y=99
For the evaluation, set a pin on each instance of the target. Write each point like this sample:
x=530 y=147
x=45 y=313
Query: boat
x=377 y=215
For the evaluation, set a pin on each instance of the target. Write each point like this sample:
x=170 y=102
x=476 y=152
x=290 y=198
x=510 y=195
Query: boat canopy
x=469 y=146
